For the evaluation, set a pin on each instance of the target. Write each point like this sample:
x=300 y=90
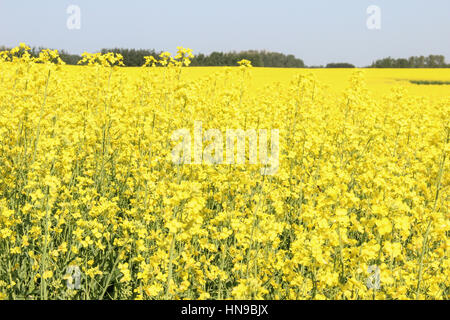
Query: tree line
x=258 y=59
x=340 y=65
x=133 y=58
x=261 y=58
x=432 y=61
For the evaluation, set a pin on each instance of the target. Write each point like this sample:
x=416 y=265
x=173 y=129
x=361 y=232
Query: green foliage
x=258 y=59
x=432 y=61
x=340 y=65
x=135 y=58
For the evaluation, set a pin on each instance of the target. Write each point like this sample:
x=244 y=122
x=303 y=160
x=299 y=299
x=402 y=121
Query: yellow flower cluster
x=87 y=180
x=182 y=58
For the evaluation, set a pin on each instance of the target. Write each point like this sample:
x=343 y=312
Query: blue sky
x=318 y=31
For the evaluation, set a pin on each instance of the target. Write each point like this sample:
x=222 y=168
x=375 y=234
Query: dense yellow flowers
x=87 y=181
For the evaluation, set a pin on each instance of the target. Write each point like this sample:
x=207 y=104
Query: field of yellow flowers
x=93 y=207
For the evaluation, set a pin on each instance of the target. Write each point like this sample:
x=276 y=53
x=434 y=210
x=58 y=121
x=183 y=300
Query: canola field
x=92 y=205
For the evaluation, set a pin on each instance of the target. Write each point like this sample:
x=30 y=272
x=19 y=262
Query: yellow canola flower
x=89 y=193
x=47 y=274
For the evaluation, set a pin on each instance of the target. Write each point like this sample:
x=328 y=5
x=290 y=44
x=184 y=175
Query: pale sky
x=319 y=31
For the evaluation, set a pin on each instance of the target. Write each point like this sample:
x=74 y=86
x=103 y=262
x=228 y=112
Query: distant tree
x=401 y=63
x=340 y=65
x=432 y=61
x=258 y=59
x=68 y=58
